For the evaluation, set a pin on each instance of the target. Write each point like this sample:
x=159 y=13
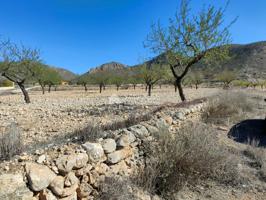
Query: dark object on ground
x=249 y=131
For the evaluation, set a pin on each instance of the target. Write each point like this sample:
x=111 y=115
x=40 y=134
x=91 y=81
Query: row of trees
x=189 y=41
x=22 y=65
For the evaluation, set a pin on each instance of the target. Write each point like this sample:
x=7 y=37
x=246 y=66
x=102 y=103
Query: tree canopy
x=188 y=39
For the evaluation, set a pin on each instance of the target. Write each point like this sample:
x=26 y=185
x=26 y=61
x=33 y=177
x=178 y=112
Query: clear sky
x=79 y=34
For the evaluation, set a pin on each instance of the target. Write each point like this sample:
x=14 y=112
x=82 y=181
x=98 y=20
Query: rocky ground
x=73 y=171
x=63 y=112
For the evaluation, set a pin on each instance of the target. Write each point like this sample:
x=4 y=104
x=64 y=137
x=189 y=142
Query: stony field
x=129 y=163
x=62 y=112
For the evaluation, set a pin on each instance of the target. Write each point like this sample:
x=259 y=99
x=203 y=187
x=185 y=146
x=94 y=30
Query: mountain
x=248 y=60
x=111 y=66
x=66 y=74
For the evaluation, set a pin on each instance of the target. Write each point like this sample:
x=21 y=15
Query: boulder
x=71 y=179
x=81 y=160
x=65 y=163
x=13 y=187
x=59 y=183
x=46 y=195
x=152 y=129
x=126 y=139
x=139 y=131
x=119 y=155
x=39 y=176
x=84 y=190
x=71 y=197
x=94 y=151
x=109 y=145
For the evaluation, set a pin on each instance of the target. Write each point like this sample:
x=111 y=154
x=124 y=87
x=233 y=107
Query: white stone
x=39 y=176
x=94 y=151
x=109 y=145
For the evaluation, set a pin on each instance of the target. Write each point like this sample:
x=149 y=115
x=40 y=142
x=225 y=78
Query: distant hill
x=111 y=66
x=249 y=61
x=66 y=74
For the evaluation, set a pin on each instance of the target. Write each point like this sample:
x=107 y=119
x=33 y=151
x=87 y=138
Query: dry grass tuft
x=191 y=156
x=258 y=157
x=227 y=107
x=10 y=142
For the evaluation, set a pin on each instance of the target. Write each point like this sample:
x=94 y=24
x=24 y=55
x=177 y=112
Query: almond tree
x=150 y=75
x=84 y=80
x=54 y=78
x=227 y=77
x=18 y=64
x=117 y=78
x=196 y=79
x=100 y=78
x=189 y=39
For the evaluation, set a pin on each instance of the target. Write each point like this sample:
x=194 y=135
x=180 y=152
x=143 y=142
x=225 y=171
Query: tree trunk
x=197 y=86
x=25 y=92
x=149 y=90
x=146 y=88
x=43 y=89
x=101 y=87
x=55 y=88
x=134 y=86
x=85 y=87
x=117 y=87
x=175 y=87
x=49 y=89
x=160 y=86
x=180 y=90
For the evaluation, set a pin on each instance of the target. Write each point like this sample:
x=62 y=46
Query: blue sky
x=79 y=34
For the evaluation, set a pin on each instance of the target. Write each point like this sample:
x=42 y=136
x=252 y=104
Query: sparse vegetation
x=192 y=155
x=10 y=142
x=258 y=158
x=227 y=107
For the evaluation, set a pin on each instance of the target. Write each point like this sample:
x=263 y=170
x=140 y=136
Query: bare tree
x=189 y=39
x=18 y=64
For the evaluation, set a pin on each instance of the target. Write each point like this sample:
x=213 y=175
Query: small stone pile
x=76 y=174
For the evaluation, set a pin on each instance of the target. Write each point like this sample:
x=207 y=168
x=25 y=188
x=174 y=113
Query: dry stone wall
x=75 y=172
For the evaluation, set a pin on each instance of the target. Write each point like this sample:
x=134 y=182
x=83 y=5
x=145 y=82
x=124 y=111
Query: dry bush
x=93 y=132
x=258 y=156
x=10 y=142
x=190 y=156
x=227 y=107
x=116 y=188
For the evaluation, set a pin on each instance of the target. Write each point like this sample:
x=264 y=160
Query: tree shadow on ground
x=248 y=131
